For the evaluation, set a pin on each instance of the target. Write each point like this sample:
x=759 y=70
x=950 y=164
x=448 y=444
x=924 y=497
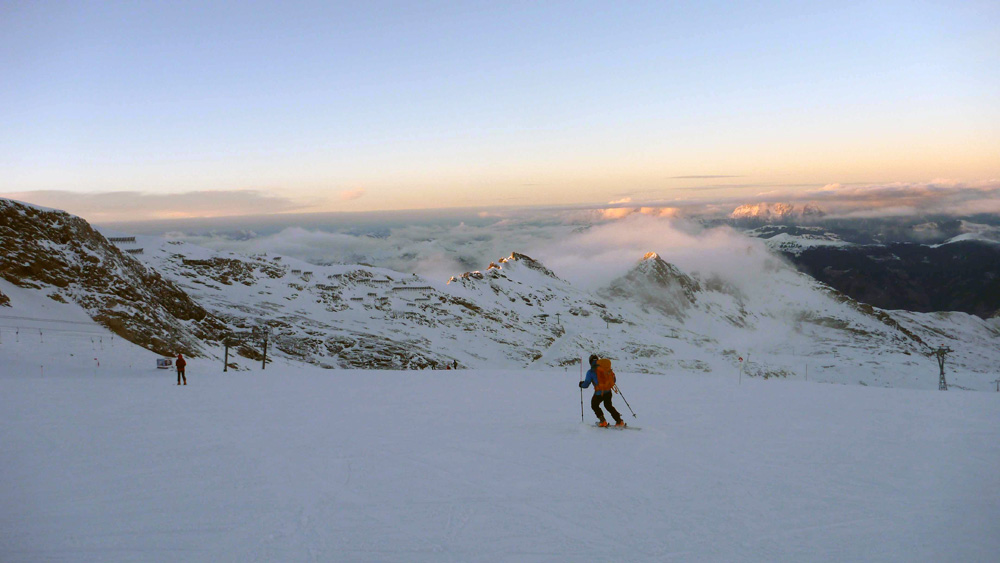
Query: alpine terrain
x=106 y=458
x=170 y=296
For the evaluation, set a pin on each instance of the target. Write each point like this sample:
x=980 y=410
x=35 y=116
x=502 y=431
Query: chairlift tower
x=941 y=353
x=233 y=339
x=262 y=333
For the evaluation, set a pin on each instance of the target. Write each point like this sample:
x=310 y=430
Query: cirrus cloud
x=350 y=195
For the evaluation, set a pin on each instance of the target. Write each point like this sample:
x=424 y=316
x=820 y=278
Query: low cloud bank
x=587 y=249
x=436 y=251
x=593 y=257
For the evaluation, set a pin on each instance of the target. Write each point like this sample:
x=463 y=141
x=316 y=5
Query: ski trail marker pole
x=617 y=390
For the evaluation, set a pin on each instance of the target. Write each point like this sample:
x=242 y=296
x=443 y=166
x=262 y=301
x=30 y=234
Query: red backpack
x=605 y=375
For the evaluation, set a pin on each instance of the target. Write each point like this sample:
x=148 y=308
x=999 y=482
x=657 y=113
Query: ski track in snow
x=299 y=463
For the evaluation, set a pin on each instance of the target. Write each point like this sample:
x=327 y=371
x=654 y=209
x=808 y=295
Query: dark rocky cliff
x=64 y=256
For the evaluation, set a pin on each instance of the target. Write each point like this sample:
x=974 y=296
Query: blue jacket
x=591 y=378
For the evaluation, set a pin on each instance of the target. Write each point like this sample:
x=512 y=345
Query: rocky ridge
x=64 y=257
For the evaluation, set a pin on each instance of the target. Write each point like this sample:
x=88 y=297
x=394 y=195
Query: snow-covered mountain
x=796 y=239
x=514 y=313
x=765 y=212
x=976 y=232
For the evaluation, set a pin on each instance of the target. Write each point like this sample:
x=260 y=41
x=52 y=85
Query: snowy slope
x=794 y=240
x=975 y=232
x=299 y=463
x=44 y=337
x=785 y=242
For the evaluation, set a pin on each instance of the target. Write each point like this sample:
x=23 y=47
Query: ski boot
x=603 y=424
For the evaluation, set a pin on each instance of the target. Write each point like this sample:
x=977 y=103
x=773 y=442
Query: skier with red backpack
x=602 y=377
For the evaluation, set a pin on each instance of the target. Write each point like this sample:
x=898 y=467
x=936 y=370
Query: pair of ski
x=613 y=427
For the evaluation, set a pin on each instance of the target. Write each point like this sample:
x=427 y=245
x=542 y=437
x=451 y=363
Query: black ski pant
x=180 y=375
x=605 y=398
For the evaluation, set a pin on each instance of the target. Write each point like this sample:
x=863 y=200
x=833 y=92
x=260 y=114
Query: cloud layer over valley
x=588 y=248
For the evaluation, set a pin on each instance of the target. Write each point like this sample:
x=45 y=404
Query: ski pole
x=581 y=391
x=617 y=390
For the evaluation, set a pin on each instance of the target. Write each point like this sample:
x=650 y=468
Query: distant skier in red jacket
x=180 y=363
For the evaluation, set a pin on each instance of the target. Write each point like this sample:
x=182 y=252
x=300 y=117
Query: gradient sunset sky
x=361 y=106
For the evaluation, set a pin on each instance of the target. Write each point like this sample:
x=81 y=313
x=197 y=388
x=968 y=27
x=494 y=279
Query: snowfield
x=298 y=463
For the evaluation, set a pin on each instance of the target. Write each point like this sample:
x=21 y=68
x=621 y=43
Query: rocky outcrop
x=42 y=248
x=528 y=262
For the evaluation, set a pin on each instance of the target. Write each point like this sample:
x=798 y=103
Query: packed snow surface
x=297 y=463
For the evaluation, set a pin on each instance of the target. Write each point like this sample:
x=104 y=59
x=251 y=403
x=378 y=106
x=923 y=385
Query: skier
x=603 y=379
x=180 y=363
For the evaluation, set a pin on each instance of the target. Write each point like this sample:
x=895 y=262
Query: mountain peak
x=495 y=268
x=659 y=272
x=529 y=262
x=658 y=284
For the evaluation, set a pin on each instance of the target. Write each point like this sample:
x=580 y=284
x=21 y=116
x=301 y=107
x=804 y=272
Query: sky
x=142 y=110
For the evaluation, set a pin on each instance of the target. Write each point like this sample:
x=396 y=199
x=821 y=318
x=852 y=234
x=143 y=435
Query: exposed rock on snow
x=63 y=256
x=529 y=262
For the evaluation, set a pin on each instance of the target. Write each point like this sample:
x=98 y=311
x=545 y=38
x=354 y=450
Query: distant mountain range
x=770 y=322
x=772 y=212
x=960 y=276
x=913 y=263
